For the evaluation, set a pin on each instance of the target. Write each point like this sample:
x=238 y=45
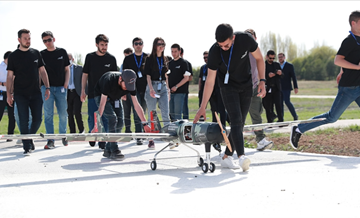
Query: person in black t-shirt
x=57 y=66
x=25 y=68
x=96 y=64
x=178 y=77
x=157 y=89
x=136 y=62
x=186 y=99
x=108 y=90
x=273 y=88
x=348 y=58
x=229 y=62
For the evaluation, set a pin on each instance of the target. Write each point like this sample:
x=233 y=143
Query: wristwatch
x=145 y=124
x=47 y=87
x=263 y=80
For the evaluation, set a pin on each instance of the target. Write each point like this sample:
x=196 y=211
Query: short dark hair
x=6 y=55
x=101 y=38
x=20 y=32
x=136 y=39
x=270 y=52
x=205 y=52
x=223 y=32
x=176 y=46
x=128 y=51
x=251 y=31
x=354 y=16
x=181 y=50
x=47 y=33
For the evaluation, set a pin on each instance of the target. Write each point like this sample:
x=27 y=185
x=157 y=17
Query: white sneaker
x=19 y=141
x=264 y=144
x=244 y=163
x=229 y=163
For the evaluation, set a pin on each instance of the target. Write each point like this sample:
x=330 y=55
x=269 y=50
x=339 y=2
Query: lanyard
x=204 y=69
x=160 y=66
x=138 y=64
x=228 y=66
x=354 y=37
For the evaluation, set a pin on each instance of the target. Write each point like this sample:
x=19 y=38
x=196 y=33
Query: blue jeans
x=186 y=107
x=115 y=117
x=176 y=105
x=92 y=107
x=345 y=96
x=16 y=114
x=58 y=94
x=24 y=102
x=286 y=99
x=163 y=101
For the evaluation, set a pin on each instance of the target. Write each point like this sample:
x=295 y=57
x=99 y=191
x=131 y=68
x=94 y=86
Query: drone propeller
x=223 y=132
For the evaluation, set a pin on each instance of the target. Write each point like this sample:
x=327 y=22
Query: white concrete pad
x=76 y=181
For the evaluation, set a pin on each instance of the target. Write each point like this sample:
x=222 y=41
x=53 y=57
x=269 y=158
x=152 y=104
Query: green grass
x=305 y=108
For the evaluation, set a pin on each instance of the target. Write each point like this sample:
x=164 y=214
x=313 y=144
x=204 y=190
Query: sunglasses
x=205 y=57
x=161 y=44
x=47 y=40
x=271 y=58
x=138 y=43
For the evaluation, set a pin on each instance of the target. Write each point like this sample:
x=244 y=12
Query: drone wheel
x=200 y=162
x=205 y=167
x=153 y=165
x=212 y=167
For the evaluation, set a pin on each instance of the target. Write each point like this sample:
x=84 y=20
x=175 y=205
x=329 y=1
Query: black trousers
x=74 y=109
x=10 y=111
x=216 y=104
x=271 y=99
x=237 y=104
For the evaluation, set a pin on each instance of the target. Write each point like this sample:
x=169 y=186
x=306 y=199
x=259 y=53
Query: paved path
x=76 y=181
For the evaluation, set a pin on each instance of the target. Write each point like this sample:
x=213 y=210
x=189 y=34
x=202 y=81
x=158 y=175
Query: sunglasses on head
x=161 y=44
x=47 y=40
x=138 y=43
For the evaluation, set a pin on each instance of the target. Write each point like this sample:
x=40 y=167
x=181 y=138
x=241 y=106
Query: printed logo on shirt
x=59 y=58
x=244 y=55
x=107 y=65
x=36 y=60
x=178 y=67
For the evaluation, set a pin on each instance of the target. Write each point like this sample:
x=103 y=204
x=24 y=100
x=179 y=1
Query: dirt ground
x=345 y=143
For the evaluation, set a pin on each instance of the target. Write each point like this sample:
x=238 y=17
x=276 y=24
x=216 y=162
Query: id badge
x=159 y=87
x=62 y=90
x=204 y=78
x=226 y=78
x=1 y=97
x=139 y=74
x=117 y=104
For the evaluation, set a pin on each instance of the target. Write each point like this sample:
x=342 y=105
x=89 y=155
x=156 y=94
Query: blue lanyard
x=204 y=69
x=138 y=64
x=354 y=37
x=228 y=66
x=160 y=66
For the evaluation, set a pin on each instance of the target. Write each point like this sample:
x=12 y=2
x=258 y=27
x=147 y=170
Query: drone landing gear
x=208 y=166
x=153 y=164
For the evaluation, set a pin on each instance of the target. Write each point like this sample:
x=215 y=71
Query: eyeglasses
x=205 y=57
x=47 y=40
x=138 y=43
x=161 y=44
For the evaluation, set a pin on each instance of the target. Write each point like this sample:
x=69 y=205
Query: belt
x=158 y=81
x=72 y=90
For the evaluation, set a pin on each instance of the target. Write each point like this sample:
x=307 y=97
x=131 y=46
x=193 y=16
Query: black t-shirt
x=130 y=63
x=351 y=50
x=95 y=66
x=203 y=75
x=177 y=70
x=191 y=71
x=108 y=85
x=25 y=65
x=240 y=73
x=274 y=67
x=152 y=68
x=55 y=63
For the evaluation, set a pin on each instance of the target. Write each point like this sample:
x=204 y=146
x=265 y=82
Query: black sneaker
x=92 y=144
x=117 y=155
x=294 y=137
x=9 y=140
x=26 y=153
x=107 y=153
x=32 y=146
x=50 y=145
x=102 y=145
x=217 y=147
x=65 y=142
x=139 y=142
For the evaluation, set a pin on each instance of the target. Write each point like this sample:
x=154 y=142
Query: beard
x=25 y=45
x=102 y=51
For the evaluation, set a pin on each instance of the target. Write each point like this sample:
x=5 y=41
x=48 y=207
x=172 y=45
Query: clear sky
x=191 y=24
